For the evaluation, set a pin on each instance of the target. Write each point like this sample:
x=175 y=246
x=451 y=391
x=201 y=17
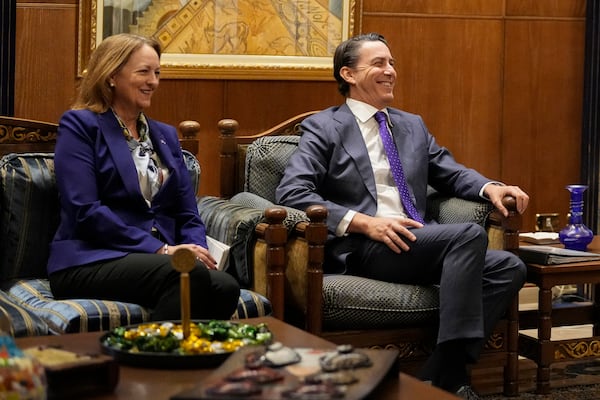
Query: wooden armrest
x=315 y=235
x=274 y=233
x=510 y=225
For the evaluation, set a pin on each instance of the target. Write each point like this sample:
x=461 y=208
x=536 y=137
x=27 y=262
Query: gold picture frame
x=183 y=27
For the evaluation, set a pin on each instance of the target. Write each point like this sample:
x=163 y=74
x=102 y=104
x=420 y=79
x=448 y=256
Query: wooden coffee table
x=157 y=384
x=542 y=349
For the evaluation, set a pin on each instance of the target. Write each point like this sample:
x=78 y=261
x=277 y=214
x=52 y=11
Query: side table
x=543 y=350
x=162 y=384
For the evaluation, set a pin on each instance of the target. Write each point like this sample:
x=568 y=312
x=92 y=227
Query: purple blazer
x=103 y=214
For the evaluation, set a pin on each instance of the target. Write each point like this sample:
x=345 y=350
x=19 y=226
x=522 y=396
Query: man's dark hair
x=346 y=55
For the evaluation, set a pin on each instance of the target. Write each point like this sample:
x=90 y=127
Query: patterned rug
x=569 y=381
x=585 y=392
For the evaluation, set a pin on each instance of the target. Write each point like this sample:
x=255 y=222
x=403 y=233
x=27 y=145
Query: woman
x=126 y=198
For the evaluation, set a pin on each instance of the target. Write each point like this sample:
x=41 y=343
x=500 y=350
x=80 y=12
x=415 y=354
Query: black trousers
x=150 y=281
x=476 y=284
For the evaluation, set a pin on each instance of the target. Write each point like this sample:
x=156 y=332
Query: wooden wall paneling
x=449 y=72
x=546 y=8
x=45 y=60
x=258 y=105
x=542 y=111
x=200 y=100
x=179 y=99
x=441 y=7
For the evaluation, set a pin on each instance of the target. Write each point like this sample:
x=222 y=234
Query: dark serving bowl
x=163 y=360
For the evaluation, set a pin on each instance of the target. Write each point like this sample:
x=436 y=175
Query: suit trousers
x=476 y=284
x=150 y=281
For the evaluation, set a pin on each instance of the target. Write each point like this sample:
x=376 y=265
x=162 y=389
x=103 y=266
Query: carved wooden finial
x=317 y=213
x=189 y=129
x=228 y=126
x=275 y=215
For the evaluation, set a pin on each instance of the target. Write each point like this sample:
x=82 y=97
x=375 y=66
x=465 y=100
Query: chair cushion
x=193 y=166
x=30 y=214
x=254 y=201
x=86 y=315
x=352 y=302
x=73 y=315
x=453 y=210
x=252 y=305
x=266 y=159
x=17 y=321
x=234 y=225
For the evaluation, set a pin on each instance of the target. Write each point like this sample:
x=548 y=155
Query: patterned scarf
x=147 y=163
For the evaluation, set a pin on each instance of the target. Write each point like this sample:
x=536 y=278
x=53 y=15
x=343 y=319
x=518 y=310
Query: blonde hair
x=95 y=93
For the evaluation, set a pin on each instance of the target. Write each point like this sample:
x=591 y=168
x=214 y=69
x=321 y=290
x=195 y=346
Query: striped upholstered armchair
x=341 y=308
x=29 y=213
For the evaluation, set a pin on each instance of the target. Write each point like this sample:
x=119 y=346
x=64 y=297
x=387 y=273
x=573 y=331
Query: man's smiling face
x=372 y=80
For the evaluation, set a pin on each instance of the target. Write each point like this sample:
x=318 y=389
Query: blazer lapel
x=352 y=141
x=119 y=152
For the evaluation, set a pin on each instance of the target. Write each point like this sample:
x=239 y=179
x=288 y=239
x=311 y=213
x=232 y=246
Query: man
x=376 y=207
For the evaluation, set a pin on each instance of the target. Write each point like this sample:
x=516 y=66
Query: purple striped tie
x=396 y=167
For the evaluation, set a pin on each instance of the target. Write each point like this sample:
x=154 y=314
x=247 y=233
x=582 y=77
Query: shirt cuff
x=342 y=227
x=482 y=190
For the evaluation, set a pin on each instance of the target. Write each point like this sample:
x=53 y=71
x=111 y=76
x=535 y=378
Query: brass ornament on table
x=547 y=222
x=184 y=261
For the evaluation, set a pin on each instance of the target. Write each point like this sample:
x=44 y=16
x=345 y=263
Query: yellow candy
x=194 y=344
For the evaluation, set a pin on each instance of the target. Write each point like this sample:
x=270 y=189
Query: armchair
x=348 y=309
x=29 y=213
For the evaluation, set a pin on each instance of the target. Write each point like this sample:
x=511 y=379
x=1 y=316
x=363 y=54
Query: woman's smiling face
x=136 y=81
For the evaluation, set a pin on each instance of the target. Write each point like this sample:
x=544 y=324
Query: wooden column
x=590 y=150
x=8 y=11
x=276 y=237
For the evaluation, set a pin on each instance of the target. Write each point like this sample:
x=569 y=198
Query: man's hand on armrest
x=498 y=192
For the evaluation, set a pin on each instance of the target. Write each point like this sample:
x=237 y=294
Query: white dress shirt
x=388 y=197
x=389 y=204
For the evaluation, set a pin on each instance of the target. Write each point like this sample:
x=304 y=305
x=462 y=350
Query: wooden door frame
x=590 y=138
x=8 y=14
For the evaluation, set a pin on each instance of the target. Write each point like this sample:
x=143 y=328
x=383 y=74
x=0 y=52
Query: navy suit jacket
x=331 y=167
x=103 y=212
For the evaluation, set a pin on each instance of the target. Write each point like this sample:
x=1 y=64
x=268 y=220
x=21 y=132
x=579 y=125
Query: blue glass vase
x=576 y=236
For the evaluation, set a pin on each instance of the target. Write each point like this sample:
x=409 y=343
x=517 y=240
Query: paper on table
x=539 y=237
